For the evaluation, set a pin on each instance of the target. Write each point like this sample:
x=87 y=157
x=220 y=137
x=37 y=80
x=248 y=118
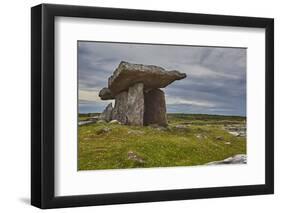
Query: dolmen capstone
x=138 y=97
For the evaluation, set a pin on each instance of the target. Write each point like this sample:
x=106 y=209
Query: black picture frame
x=43 y=102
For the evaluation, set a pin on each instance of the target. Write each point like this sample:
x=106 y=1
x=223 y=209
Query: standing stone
x=119 y=112
x=138 y=99
x=155 y=108
x=107 y=113
x=135 y=105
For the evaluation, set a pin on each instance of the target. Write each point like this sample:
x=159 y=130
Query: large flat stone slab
x=151 y=76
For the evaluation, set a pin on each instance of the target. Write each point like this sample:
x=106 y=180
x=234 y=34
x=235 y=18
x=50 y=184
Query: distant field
x=83 y=117
x=204 y=119
x=188 y=140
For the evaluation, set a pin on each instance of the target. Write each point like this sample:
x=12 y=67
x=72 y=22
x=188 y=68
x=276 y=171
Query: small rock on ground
x=237 y=134
x=200 y=136
x=114 y=122
x=133 y=156
x=160 y=128
x=180 y=126
x=135 y=132
x=236 y=130
x=219 y=138
x=103 y=130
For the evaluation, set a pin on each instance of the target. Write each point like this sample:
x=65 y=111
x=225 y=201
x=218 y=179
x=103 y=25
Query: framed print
x=139 y=106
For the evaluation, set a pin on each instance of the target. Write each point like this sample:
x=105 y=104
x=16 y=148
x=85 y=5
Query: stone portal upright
x=138 y=97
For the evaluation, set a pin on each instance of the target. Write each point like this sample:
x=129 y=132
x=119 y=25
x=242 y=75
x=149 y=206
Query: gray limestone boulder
x=236 y=159
x=114 y=122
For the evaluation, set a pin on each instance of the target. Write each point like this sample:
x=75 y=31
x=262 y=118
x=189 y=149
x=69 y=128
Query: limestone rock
x=236 y=130
x=135 y=105
x=119 y=112
x=136 y=132
x=107 y=113
x=200 y=136
x=133 y=156
x=151 y=76
x=155 y=108
x=236 y=159
x=114 y=122
x=103 y=131
x=105 y=94
x=180 y=126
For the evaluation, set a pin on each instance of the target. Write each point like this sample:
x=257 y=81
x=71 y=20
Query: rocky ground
x=236 y=129
x=188 y=140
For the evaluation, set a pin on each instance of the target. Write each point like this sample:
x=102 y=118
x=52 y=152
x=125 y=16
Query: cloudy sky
x=215 y=83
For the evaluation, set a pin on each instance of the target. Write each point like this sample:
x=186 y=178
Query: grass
x=201 y=139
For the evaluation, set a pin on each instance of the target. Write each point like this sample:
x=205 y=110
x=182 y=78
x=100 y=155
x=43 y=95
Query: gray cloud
x=215 y=83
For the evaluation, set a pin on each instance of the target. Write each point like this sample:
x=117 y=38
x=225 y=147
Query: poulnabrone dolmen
x=138 y=97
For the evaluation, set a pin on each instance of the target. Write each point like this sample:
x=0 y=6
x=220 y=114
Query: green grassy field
x=188 y=140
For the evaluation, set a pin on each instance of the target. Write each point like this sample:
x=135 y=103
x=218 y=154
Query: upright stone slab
x=107 y=113
x=155 y=108
x=119 y=112
x=135 y=105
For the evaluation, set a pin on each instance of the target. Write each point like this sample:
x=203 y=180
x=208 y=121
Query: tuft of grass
x=201 y=140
